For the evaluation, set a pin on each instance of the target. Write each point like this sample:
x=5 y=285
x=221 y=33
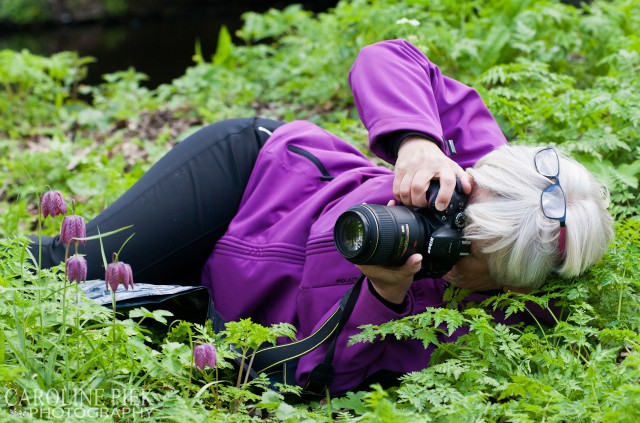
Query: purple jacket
x=277 y=261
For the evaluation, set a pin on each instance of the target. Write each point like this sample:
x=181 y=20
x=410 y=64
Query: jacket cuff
x=398 y=308
x=393 y=140
x=385 y=130
x=386 y=309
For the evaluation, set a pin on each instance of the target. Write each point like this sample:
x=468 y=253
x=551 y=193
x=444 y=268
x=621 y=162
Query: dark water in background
x=160 y=47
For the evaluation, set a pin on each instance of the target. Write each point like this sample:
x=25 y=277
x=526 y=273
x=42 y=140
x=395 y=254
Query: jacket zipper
x=325 y=174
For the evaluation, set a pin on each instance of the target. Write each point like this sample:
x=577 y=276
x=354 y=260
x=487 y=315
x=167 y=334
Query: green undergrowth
x=550 y=73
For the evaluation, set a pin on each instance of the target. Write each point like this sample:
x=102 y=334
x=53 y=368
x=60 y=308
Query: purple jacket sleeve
x=396 y=87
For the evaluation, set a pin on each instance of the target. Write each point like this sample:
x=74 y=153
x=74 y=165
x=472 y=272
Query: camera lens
x=375 y=234
x=352 y=233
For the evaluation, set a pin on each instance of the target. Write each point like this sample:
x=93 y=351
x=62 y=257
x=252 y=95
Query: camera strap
x=274 y=359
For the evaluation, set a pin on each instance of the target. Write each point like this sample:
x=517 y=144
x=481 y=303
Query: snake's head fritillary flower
x=73 y=227
x=118 y=273
x=52 y=204
x=204 y=355
x=76 y=268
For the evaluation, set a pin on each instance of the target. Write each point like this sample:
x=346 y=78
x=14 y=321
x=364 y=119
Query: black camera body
x=373 y=234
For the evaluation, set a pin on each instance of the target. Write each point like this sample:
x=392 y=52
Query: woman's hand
x=419 y=161
x=392 y=283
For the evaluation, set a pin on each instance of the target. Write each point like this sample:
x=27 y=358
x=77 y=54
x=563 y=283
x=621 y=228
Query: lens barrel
x=380 y=235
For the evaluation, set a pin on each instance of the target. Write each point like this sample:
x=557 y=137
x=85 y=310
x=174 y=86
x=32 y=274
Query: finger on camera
x=466 y=180
x=414 y=263
x=409 y=268
x=444 y=196
x=397 y=181
x=419 y=188
x=419 y=195
x=403 y=191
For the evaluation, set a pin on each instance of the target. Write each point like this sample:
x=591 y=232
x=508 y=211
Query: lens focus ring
x=387 y=234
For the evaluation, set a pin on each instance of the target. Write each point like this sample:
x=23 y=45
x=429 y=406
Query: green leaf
x=628 y=173
x=224 y=48
x=157 y=315
x=87 y=184
x=352 y=401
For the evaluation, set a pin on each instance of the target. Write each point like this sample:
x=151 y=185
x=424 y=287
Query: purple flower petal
x=73 y=227
x=204 y=355
x=112 y=276
x=52 y=204
x=118 y=273
x=76 y=268
x=127 y=279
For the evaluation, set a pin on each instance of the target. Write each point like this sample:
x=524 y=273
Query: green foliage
x=122 y=97
x=550 y=73
x=583 y=368
x=115 y=7
x=61 y=354
x=24 y=11
x=35 y=89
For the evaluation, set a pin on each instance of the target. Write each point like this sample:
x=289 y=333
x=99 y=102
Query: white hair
x=506 y=223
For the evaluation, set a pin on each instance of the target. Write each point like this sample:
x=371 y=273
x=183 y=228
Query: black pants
x=178 y=209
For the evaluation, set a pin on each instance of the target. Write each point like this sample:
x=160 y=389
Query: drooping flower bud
x=204 y=356
x=118 y=273
x=73 y=227
x=76 y=268
x=52 y=204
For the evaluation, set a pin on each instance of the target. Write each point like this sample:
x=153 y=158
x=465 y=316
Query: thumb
x=414 y=263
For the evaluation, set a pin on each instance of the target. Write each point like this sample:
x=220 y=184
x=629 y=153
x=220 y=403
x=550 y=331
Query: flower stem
x=244 y=354
x=236 y=404
x=39 y=270
x=217 y=399
x=113 y=332
x=63 y=332
x=246 y=376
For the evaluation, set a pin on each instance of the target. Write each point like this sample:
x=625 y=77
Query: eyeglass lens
x=553 y=202
x=547 y=162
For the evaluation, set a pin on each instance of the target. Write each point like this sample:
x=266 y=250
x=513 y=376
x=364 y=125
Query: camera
x=389 y=235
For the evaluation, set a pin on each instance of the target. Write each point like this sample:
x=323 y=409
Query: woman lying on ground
x=247 y=207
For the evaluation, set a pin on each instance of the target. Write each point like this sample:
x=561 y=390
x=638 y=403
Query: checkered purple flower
x=118 y=273
x=204 y=355
x=73 y=227
x=76 y=268
x=52 y=204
